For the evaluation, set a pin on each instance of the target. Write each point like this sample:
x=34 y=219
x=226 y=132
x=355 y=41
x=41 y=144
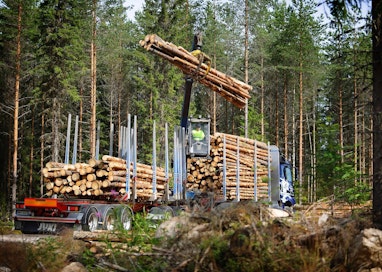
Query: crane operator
x=198 y=134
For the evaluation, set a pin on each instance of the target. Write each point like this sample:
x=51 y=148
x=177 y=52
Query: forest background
x=311 y=76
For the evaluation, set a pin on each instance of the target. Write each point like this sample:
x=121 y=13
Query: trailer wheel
x=126 y=218
x=160 y=213
x=120 y=217
x=91 y=223
x=168 y=211
x=110 y=219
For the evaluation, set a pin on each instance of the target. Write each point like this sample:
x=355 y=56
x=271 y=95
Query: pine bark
x=16 y=111
x=93 y=92
x=246 y=67
x=301 y=125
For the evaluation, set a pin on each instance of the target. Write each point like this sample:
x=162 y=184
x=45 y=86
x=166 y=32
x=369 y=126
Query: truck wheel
x=91 y=223
x=110 y=219
x=160 y=213
x=127 y=218
x=167 y=211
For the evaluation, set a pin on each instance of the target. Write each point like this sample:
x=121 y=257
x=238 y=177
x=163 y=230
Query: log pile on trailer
x=233 y=90
x=246 y=171
x=101 y=178
x=246 y=164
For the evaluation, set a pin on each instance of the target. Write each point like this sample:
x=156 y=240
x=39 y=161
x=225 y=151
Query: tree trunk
x=16 y=112
x=377 y=112
x=42 y=146
x=246 y=67
x=31 y=156
x=80 y=122
x=262 y=100
x=314 y=155
x=341 y=122
x=357 y=166
x=277 y=117
x=55 y=130
x=294 y=131
x=93 y=92
x=310 y=177
x=301 y=139
x=286 y=133
x=119 y=114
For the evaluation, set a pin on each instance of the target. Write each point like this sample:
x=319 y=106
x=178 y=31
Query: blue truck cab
x=282 y=192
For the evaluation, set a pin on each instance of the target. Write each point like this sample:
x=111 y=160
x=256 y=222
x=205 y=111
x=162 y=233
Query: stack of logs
x=101 y=178
x=233 y=90
x=206 y=175
x=107 y=177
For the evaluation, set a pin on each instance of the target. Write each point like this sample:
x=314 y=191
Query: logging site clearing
x=244 y=237
x=226 y=204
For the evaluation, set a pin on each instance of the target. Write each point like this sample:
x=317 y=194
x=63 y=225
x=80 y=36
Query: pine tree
x=294 y=56
x=115 y=47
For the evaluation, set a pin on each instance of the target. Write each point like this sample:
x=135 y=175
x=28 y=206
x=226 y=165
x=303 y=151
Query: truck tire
x=91 y=220
x=168 y=211
x=160 y=213
x=118 y=217
x=126 y=218
x=109 y=220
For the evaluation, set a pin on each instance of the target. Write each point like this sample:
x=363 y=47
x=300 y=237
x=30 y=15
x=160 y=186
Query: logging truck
x=106 y=192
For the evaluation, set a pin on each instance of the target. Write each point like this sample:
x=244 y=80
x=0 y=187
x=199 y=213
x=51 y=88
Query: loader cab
x=282 y=192
x=198 y=137
x=286 y=183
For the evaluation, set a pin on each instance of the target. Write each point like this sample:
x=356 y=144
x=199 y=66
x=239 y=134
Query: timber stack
x=231 y=89
x=246 y=166
x=101 y=178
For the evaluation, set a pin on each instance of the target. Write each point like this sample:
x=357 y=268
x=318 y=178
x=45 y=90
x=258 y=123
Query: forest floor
x=244 y=237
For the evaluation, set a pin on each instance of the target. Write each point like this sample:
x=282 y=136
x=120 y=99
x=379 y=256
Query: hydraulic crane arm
x=196 y=47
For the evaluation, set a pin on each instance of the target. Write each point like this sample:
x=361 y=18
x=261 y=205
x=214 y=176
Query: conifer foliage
x=313 y=93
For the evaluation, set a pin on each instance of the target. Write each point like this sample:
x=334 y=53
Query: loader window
x=288 y=174
x=198 y=138
x=198 y=133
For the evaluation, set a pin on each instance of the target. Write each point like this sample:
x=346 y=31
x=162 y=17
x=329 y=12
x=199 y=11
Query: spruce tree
x=60 y=62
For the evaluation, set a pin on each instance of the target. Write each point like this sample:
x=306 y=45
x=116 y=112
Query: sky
x=137 y=5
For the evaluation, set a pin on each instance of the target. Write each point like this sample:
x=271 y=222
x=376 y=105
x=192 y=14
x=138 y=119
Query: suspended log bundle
x=102 y=178
x=246 y=166
x=231 y=89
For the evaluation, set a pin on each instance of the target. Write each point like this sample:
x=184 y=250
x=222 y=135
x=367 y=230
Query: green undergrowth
x=239 y=238
x=6 y=227
x=235 y=240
